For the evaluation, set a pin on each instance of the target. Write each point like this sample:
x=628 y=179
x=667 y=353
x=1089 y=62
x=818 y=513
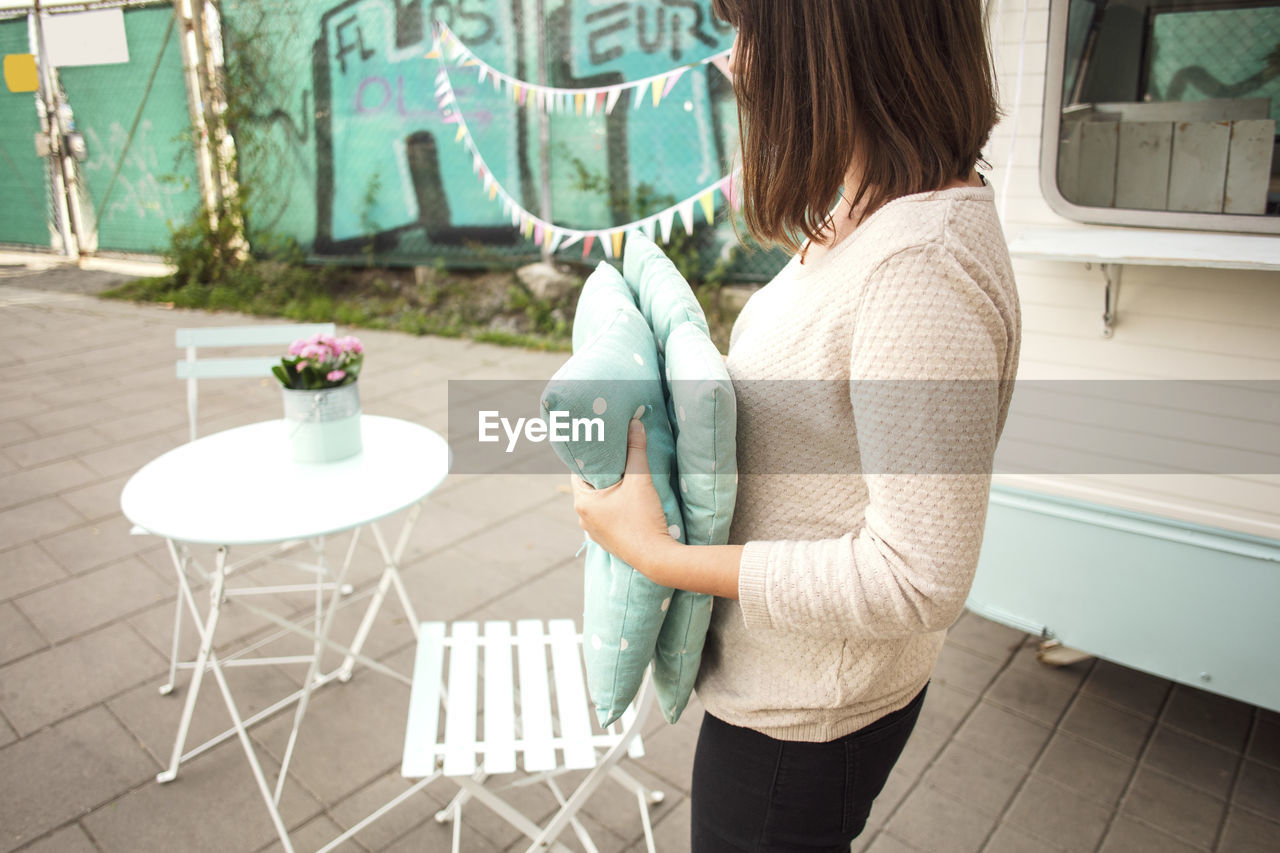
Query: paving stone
x=1010 y=839
x=1193 y=761
x=69 y=839
x=43 y=482
x=921 y=750
x=96 y=544
x=1215 y=718
x=7 y=465
x=1175 y=808
x=534 y=801
x=1096 y=773
x=1003 y=734
x=7 y=734
x=1059 y=815
x=50 y=448
x=555 y=594
x=1032 y=696
x=1259 y=789
x=66 y=418
x=236 y=626
x=14 y=430
x=1128 y=688
x=931 y=821
x=99 y=501
x=18 y=637
x=945 y=707
x=314 y=834
x=444 y=526
x=1248 y=833
x=37 y=520
x=153 y=718
x=886 y=843
x=671 y=832
x=27 y=567
x=964 y=670
x=984 y=636
x=352 y=734
x=1131 y=836
x=214 y=805
x=94 y=598
x=1264 y=746
x=1106 y=725
x=127 y=457
x=669 y=751
x=63 y=771
x=614 y=807
x=395 y=823
x=47 y=686
x=162 y=419
x=970 y=776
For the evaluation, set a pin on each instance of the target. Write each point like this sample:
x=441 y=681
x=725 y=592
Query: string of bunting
x=553 y=99
x=556 y=237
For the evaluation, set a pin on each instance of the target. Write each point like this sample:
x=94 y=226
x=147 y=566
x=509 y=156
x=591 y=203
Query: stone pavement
x=1009 y=755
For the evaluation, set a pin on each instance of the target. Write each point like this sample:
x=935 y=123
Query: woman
x=863 y=496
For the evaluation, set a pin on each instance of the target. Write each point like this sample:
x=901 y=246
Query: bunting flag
x=553 y=99
x=557 y=237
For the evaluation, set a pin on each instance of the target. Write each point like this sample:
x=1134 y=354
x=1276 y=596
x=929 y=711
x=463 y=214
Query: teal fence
x=24 y=177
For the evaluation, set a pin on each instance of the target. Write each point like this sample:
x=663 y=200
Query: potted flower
x=321 y=397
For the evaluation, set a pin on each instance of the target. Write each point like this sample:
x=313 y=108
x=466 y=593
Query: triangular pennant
x=639 y=97
x=664 y=223
x=578 y=101
x=434 y=53
x=600 y=99
x=483 y=74
x=587 y=244
x=659 y=87
x=612 y=100
x=686 y=215
x=646 y=228
x=470 y=62
x=542 y=99
x=553 y=240
x=524 y=95
x=497 y=83
x=573 y=240
x=708 y=203
x=528 y=227
x=616 y=238
x=672 y=79
x=462 y=131
x=537 y=233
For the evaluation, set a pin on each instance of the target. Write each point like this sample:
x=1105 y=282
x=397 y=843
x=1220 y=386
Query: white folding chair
x=192 y=368
x=547 y=722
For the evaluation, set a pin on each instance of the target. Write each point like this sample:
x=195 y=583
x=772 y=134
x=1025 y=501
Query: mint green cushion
x=701 y=410
x=613 y=375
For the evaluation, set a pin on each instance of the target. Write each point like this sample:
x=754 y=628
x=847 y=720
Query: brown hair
x=905 y=86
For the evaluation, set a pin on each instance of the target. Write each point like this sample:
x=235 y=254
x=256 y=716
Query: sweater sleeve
x=925 y=365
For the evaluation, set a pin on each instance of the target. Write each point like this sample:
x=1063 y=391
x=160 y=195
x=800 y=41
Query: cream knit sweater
x=849 y=581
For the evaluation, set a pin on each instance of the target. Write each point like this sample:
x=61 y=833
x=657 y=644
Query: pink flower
x=335 y=375
x=295 y=348
x=301 y=365
x=349 y=344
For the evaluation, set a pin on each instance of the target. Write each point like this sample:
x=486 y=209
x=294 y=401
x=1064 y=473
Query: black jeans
x=753 y=793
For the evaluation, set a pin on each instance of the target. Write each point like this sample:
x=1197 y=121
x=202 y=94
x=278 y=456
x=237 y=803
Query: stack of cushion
x=641 y=348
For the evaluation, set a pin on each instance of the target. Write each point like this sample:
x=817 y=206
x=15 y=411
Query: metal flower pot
x=324 y=425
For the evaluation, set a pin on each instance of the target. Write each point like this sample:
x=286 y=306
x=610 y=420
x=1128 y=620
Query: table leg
x=202 y=659
x=321 y=641
x=390 y=576
x=180 y=562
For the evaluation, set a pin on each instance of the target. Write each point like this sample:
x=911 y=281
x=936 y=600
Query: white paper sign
x=86 y=38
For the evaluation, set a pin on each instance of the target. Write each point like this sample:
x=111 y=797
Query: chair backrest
x=193 y=368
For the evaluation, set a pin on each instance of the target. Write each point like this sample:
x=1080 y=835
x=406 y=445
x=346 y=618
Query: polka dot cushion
x=702 y=414
x=614 y=376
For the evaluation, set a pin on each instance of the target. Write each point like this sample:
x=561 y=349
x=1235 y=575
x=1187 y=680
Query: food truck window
x=1163 y=113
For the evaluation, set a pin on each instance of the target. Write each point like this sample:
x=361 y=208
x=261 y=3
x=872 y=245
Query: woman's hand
x=626 y=519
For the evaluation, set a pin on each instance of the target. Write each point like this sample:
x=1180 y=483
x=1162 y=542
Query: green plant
x=321 y=361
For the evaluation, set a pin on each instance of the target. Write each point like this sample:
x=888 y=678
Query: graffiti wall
x=352 y=153
x=24 y=180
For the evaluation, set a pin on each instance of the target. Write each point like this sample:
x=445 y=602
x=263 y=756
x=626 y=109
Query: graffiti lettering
x=345 y=47
x=475 y=28
x=604 y=43
x=382 y=90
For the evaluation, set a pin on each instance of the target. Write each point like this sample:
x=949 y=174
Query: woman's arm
x=626 y=520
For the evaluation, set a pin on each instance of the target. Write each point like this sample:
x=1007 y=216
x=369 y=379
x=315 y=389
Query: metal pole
x=195 y=104
x=53 y=126
x=544 y=127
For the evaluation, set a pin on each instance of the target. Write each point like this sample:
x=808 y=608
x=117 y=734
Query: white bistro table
x=241 y=487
